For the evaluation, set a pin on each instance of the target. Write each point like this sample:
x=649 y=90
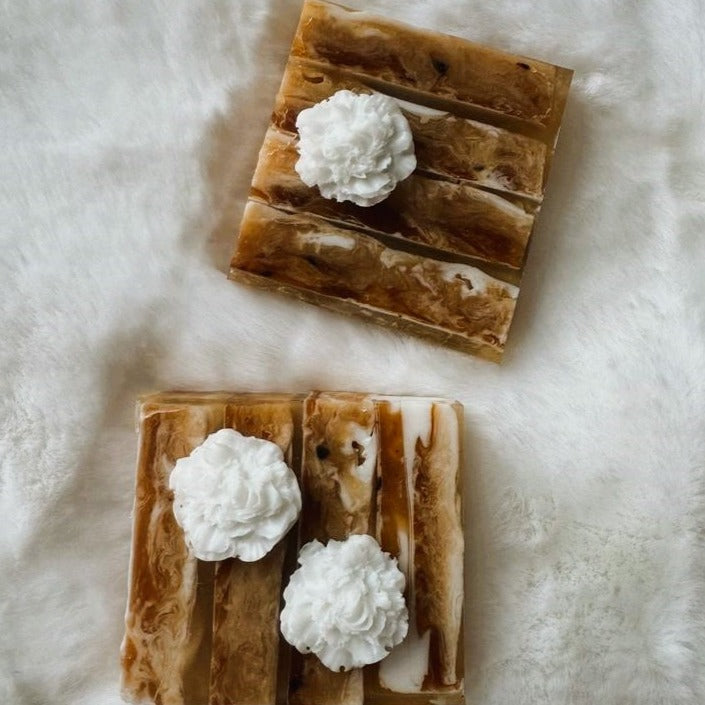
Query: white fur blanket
x=129 y=131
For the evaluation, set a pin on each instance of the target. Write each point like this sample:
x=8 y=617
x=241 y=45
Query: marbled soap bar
x=200 y=632
x=338 y=482
x=467 y=76
x=209 y=633
x=445 y=144
x=334 y=267
x=419 y=520
x=484 y=124
x=463 y=222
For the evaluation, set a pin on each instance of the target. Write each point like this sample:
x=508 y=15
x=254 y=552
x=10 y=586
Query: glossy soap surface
x=484 y=125
x=209 y=632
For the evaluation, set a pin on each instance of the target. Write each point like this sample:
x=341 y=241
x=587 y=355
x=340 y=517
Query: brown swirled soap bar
x=443 y=255
x=208 y=632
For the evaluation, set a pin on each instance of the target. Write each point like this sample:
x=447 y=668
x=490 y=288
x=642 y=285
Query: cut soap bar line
x=453 y=69
x=308 y=253
x=422 y=214
x=445 y=144
x=388 y=466
x=484 y=124
x=168 y=644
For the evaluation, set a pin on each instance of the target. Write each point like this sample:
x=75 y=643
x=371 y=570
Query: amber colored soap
x=484 y=124
x=199 y=632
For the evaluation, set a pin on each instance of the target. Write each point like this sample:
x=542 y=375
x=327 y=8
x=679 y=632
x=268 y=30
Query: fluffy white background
x=129 y=131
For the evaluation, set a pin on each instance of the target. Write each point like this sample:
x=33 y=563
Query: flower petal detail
x=354 y=147
x=234 y=496
x=345 y=603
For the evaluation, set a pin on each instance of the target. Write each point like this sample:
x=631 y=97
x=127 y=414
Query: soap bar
x=199 y=632
x=484 y=125
x=432 y=64
x=246 y=596
x=336 y=267
x=445 y=143
x=466 y=223
x=338 y=477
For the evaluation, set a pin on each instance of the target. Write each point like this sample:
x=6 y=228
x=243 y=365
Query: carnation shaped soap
x=401 y=176
x=359 y=602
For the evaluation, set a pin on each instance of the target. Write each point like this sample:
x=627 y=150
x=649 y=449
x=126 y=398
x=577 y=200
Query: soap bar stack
x=442 y=257
x=201 y=632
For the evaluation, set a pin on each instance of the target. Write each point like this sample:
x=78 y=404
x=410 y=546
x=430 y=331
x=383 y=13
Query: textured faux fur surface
x=129 y=134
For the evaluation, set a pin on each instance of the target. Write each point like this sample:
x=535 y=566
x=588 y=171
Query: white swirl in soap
x=234 y=496
x=345 y=603
x=354 y=147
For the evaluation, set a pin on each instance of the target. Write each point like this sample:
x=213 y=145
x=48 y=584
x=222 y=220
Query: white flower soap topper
x=345 y=603
x=234 y=496
x=354 y=147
